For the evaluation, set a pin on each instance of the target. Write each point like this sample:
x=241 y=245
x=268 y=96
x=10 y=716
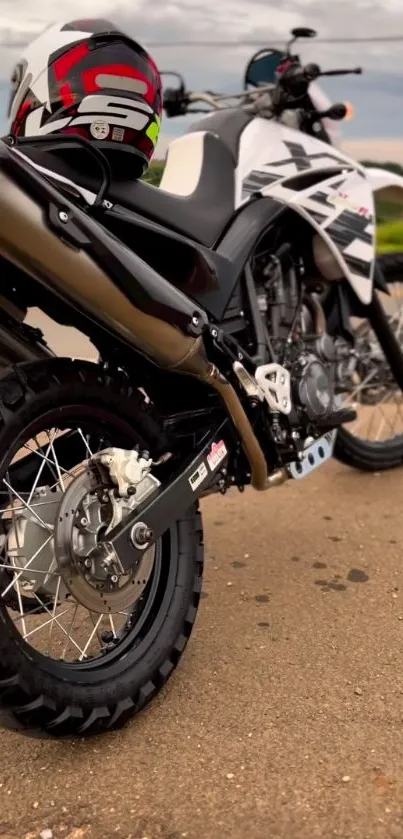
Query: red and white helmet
x=87 y=78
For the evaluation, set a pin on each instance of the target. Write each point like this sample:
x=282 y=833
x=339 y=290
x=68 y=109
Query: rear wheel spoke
x=43 y=603
x=40 y=469
x=56 y=621
x=86 y=444
x=66 y=646
x=28 y=565
x=112 y=625
x=20 y=604
x=27 y=506
x=55 y=604
x=49 y=623
x=93 y=633
x=22 y=568
x=378 y=400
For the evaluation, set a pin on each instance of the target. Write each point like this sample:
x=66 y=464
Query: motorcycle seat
x=196 y=197
x=227 y=124
x=197 y=193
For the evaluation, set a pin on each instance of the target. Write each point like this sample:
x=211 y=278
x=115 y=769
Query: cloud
x=376 y=95
x=173 y=20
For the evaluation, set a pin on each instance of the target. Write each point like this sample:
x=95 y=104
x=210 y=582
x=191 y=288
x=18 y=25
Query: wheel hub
x=90 y=568
x=55 y=541
x=26 y=538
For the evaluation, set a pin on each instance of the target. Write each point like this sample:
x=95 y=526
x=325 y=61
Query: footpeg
x=313 y=456
x=337 y=418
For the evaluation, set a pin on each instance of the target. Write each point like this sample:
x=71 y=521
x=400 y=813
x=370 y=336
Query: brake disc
x=90 y=569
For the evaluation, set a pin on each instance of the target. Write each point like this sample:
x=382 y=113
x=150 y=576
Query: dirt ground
x=285 y=717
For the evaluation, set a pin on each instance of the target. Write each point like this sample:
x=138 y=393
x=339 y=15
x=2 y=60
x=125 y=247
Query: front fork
x=341 y=304
x=392 y=350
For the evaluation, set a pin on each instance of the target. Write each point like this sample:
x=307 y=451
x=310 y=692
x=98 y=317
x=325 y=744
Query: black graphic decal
x=347 y=228
x=338 y=184
x=358 y=266
x=319 y=217
x=302 y=160
x=257 y=180
x=321 y=198
x=298 y=156
x=357 y=220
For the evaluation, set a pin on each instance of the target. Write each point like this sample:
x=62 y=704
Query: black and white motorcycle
x=278 y=89
x=317 y=116
x=221 y=305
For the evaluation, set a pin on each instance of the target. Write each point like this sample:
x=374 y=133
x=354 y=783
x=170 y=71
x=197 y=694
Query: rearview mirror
x=303 y=32
x=174 y=75
x=262 y=68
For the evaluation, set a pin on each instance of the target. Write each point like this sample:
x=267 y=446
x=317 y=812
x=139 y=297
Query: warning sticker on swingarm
x=198 y=477
x=217 y=455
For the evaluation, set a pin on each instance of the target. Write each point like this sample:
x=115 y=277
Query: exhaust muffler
x=27 y=242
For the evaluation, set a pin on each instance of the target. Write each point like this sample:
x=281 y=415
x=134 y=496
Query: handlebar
x=178 y=102
x=295 y=80
x=356 y=71
x=291 y=87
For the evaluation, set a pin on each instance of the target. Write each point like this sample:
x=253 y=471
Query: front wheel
x=374 y=442
x=66 y=666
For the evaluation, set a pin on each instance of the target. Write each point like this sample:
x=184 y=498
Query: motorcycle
x=306 y=109
x=315 y=115
x=221 y=309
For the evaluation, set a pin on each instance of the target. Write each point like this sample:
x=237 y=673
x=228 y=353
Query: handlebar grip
x=175 y=102
x=355 y=71
x=311 y=72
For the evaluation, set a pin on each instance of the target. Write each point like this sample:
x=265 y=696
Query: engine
x=316 y=362
x=313 y=387
x=312 y=368
x=313 y=377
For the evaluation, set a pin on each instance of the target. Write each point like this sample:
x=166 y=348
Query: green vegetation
x=389 y=214
x=388 y=211
x=154 y=172
x=390 y=236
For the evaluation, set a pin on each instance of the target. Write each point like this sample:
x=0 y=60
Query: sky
x=376 y=96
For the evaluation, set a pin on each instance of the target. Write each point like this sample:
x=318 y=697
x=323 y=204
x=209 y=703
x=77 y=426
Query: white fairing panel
x=340 y=206
x=184 y=164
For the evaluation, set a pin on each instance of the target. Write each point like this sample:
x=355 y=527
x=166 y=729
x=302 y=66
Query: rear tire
x=66 y=698
x=391 y=265
x=369 y=456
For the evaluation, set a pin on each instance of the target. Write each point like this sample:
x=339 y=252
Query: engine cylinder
x=325 y=262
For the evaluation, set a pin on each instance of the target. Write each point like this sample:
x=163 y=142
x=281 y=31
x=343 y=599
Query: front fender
x=386 y=184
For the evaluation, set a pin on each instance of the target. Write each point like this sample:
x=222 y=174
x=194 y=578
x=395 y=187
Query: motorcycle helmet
x=87 y=78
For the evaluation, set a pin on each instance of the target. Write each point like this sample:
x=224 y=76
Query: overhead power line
x=373 y=39
x=380 y=39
